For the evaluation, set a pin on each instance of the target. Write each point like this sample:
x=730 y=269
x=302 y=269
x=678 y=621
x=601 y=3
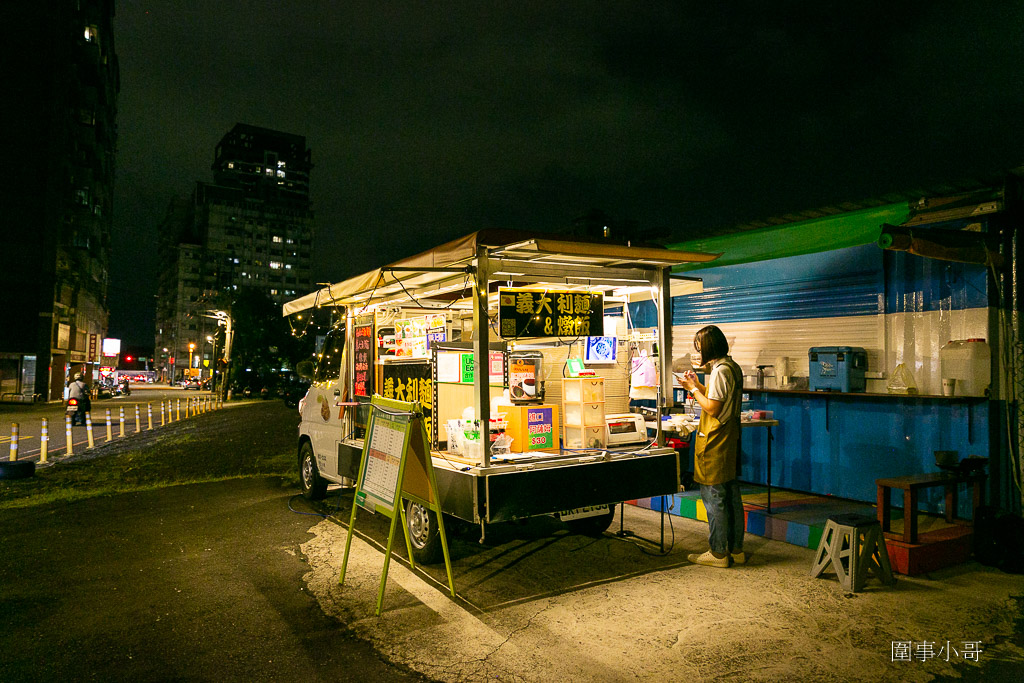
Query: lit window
x=287 y=266
x=280 y=173
x=280 y=164
x=273 y=292
x=270 y=171
x=231 y=164
x=276 y=265
x=91 y=33
x=276 y=239
x=236 y=260
x=290 y=241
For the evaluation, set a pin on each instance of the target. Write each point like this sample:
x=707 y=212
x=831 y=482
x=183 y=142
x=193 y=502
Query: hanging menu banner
x=409 y=382
x=524 y=313
x=363 y=356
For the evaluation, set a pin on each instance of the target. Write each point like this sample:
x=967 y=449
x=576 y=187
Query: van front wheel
x=314 y=487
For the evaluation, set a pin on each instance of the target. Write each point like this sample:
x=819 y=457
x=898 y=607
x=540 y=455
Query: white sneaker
x=739 y=558
x=709 y=560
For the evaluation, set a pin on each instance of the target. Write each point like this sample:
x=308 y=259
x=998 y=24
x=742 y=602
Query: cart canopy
x=445 y=273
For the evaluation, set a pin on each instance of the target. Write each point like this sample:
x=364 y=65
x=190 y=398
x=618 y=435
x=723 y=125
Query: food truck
x=519 y=349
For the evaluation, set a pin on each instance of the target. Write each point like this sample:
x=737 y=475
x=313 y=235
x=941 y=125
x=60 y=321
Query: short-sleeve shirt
x=722 y=386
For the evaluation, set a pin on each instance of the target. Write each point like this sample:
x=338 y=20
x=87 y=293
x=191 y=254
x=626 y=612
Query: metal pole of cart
x=481 y=333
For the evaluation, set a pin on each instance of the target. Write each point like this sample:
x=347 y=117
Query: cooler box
x=837 y=368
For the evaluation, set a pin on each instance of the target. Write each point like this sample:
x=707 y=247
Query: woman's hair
x=712 y=343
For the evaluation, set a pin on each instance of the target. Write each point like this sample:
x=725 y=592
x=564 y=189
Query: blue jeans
x=725 y=516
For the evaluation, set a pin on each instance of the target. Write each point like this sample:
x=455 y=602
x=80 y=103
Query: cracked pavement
x=538 y=604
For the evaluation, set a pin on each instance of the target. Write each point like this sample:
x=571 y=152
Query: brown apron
x=716 y=447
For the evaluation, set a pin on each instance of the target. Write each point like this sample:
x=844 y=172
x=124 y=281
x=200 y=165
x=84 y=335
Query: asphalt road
x=198 y=582
x=29 y=419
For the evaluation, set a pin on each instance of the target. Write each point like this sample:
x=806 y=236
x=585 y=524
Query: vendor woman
x=717 y=446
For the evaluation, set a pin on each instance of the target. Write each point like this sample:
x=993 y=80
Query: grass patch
x=248 y=441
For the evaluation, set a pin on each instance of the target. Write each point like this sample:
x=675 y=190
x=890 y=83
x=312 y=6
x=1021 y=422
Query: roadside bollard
x=138 y=425
x=14 y=441
x=67 y=432
x=121 y=411
x=88 y=429
x=44 y=442
x=177 y=402
x=149 y=414
x=109 y=434
x=161 y=413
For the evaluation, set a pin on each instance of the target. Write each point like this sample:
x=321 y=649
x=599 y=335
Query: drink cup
x=948 y=386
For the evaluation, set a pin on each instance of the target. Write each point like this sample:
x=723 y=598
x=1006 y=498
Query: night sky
x=430 y=120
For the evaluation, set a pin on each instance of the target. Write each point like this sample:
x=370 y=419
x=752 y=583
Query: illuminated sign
x=524 y=313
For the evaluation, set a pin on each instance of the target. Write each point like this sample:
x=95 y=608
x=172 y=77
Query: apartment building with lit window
x=252 y=227
x=61 y=89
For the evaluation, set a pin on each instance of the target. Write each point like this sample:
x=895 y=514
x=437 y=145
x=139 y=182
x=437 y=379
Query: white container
x=584 y=414
x=583 y=390
x=969 y=362
x=584 y=437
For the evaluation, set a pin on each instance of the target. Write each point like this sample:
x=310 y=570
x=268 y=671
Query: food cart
x=492 y=334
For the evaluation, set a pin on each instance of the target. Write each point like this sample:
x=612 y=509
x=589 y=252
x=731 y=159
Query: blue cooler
x=837 y=368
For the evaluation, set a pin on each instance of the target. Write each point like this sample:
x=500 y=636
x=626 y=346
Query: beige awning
x=445 y=272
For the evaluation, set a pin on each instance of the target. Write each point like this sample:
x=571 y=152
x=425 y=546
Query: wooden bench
x=914 y=483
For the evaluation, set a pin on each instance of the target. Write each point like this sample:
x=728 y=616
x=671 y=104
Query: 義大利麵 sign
x=526 y=313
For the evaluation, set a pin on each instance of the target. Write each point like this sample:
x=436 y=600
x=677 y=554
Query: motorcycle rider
x=79 y=390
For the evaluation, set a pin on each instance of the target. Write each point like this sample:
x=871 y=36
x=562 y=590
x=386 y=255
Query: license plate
x=583 y=513
x=72 y=409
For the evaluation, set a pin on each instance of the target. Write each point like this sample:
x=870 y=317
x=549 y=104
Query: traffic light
x=128 y=359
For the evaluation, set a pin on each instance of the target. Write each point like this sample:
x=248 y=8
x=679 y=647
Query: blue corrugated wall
x=839 y=445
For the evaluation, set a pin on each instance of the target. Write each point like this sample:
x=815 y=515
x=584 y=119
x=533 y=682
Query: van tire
x=421 y=525
x=592 y=526
x=314 y=487
x=17 y=469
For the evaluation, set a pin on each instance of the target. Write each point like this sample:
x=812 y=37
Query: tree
x=263 y=342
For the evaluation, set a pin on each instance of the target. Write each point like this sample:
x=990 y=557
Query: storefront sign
x=524 y=313
x=467 y=368
x=93 y=356
x=409 y=382
x=540 y=428
x=363 y=357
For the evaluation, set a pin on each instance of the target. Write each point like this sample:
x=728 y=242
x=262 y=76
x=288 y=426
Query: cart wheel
x=423 y=534
x=314 y=487
x=592 y=526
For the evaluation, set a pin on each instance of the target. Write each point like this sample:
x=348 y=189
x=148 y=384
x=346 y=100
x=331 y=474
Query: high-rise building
x=61 y=96
x=252 y=227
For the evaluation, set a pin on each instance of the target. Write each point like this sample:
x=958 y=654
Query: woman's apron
x=717 y=446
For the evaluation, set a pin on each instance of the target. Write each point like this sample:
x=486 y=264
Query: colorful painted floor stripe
x=796 y=518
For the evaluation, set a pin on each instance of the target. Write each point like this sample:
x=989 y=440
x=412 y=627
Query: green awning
x=850 y=229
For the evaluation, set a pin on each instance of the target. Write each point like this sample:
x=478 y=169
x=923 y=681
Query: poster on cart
x=525 y=313
x=409 y=381
x=363 y=357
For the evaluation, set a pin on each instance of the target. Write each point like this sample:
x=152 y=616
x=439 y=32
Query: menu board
x=414 y=336
x=363 y=356
x=524 y=313
x=409 y=382
x=383 y=461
